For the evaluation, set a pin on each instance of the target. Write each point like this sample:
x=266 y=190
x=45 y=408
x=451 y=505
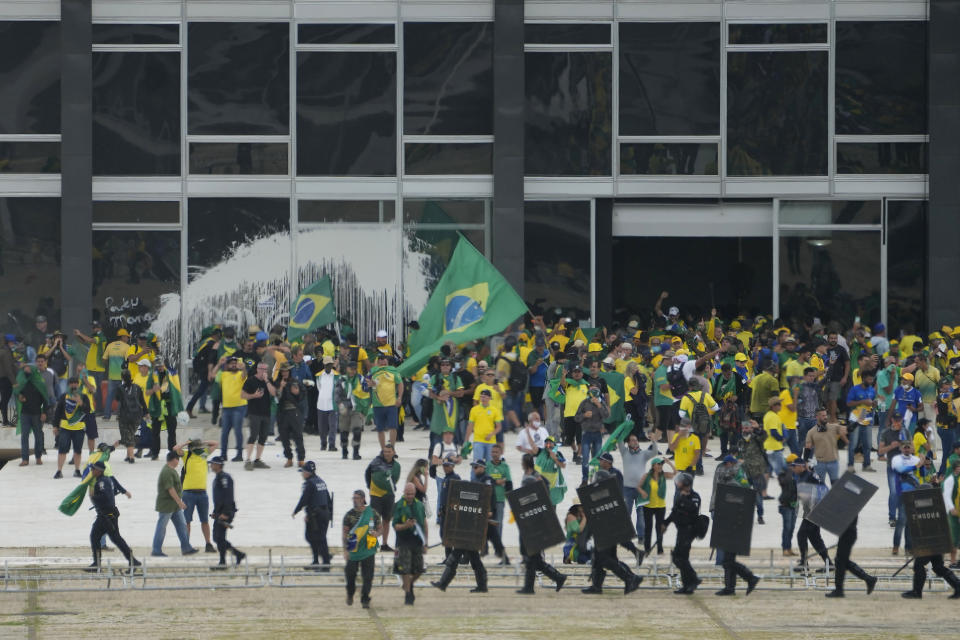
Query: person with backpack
x=512 y=369
x=193 y=479
x=699 y=406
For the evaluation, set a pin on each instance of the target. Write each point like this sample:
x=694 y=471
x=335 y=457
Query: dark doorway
x=735 y=275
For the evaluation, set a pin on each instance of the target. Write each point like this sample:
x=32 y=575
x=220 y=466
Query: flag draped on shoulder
x=471 y=301
x=312 y=309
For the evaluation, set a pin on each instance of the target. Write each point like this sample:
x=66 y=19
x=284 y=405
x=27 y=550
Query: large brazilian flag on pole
x=312 y=309
x=471 y=301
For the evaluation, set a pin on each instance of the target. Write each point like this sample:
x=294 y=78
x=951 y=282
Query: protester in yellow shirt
x=484 y=427
x=232 y=375
x=686 y=447
x=773 y=427
x=488 y=383
x=788 y=416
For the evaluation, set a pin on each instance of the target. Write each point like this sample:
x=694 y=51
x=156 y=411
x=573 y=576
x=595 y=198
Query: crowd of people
x=771 y=402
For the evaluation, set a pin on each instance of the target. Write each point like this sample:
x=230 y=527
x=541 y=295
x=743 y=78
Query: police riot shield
x=843 y=502
x=733 y=519
x=466 y=515
x=536 y=517
x=927 y=522
x=607 y=516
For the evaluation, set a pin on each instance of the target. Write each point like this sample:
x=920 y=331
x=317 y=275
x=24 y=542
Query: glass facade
x=29 y=262
x=29 y=77
x=556 y=257
x=906 y=264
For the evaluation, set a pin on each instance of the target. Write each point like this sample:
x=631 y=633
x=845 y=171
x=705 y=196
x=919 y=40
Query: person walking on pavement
x=105 y=488
x=170 y=506
x=194 y=482
x=315 y=499
x=224 y=509
x=410 y=523
x=686 y=509
x=844 y=563
x=360 y=527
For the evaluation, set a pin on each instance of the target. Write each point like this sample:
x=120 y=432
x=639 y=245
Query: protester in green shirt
x=499 y=470
x=170 y=506
x=360 y=527
x=410 y=523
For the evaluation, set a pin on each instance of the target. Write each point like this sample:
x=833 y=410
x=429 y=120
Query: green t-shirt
x=404 y=511
x=499 y=471
x=116 y=354
x=168 y=478
x=660 y=399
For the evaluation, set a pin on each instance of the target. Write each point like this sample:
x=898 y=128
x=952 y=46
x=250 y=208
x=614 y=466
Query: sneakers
x=237 y=458
x=248 y=465
x=868 y=470
x=788 y=552
x=871 y=583
x=191 y=551
x=209 y=548
x=760 y=520
x=260 y=464
x=76 y=473
x=752 y=584
x=57 y=475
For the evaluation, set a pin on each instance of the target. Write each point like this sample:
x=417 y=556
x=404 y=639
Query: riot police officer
x=104 y=490
x=686 y=511
x=224 y=508
x=315 y=499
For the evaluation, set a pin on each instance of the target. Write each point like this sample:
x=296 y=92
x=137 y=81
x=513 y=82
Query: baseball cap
x=479 y=462
x=122 y=332
x=100 y=464
x=606 y=457
x=673 y=311
x=9 y=337
x=328 y=360
x=381 y=333
x=907 y=376
x=309 y=465
x=216 y=460
x=740 y=357
x=260 y=336
x=41 y=318
x=143 y=362
x=896 y=415
x=730 y=458
x=608 y=360
x=792 y=458
x=680 y=357
x=486 y=392
x=878 y=327
x=657 y=460
x=576 y=367
x=449 y=460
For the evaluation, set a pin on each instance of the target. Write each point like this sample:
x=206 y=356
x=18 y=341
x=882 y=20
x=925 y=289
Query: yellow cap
x=907 y=376
x=122 y=332
x=792 y=457
x=936 y=335
x=740 y=357
x=735 y=324
x=594 y=347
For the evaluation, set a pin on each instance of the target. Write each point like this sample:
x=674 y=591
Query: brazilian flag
x=619 y=435
x=312 y=309
x=615 y=390
x=74 y=499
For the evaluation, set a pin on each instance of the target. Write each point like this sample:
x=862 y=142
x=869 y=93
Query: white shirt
x=325 y=389
x=948 y=483
x=531 y=438
x=442 y=450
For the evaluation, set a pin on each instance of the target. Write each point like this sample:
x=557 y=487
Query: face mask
x=655 y=349
x=536 y=423
x=906 y=386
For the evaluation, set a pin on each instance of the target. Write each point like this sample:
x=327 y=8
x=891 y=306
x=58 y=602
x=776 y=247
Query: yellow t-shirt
x=140 y=354
x=485 y=421
x=195 y=476
x=86 y=392
x=687 y=404
x=140 y=380
x=496 y=400
x=95 y=353
x=656 y=502
x=685 y=451
x=563 y=340
x=789 y=418
x=231 y=384
x=772 y=424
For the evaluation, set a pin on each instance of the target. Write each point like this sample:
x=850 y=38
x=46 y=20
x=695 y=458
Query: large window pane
x=426 y=159
x=29 y=157
x=568 y=114
x=134 y=275
x=831 y=275
x=882 y=157
x=670 y=78
x=881 y=77
x=29 y=77
x=29 y=265
x=239 y=78
x=656 y=158
x=906 y=266
x=136 y=33
x=142 y=212
x=788 y=33
x=345 y=34
x=136 y=114
x=346 y=113
x=219 y=227
x=815 y=212
x=556 y=257
x=777 y=113
x=448 y=78
x=234 y=158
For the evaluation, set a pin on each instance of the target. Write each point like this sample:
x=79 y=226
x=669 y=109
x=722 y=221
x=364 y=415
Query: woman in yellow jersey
x=653 y=494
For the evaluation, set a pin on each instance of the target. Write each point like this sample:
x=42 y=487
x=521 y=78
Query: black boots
x=481 y=575
x=343 y=452
x=919 y=577
x=356 y=453
x=449 y=572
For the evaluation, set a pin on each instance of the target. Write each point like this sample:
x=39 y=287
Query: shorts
x=408 y=560
x=351 y=421
x=572 y=432
x=666 y=417
x=66 y=438
x=384 y=418
x=259 y=427
x=91 y=427
x=833 y=391
x=128 y=432
x=383 y=505
x=196 y=498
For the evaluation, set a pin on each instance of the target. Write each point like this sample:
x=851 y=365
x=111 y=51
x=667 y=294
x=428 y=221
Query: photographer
x=590 y=415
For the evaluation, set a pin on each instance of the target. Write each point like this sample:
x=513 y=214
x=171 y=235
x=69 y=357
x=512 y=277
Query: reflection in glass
x=136 y=33
x=346 y=113
x=448 y=78
x=777 y=113
x=136 y=113
x=29 y=264
x=832 y=275
x=427 y=159
x=556 y=257
x=906 y=266
x=235 y=158
x=788 y=33
x=238 y=78
x=345 y=34
x=881 y=77
x=238 y=262
x=815 y=212
x=568 y=114
x=132 y=273
x=350 y=211
x=29 y=157
x=427 y=254
x=445 y=211
x=669 y=78
x=657 y=158
x=882 y=157
x=141 y=212
x=29 y=77
x=739 y=278
x=566 y=33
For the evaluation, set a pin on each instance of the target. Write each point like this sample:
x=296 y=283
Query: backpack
x=701 y=417
x=678 y=384
x=517 y=378
x=729 y=416
x=57 y=362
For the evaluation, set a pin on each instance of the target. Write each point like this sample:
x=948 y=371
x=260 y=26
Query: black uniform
x=223 y=505
x=686 y=508
x=920 y=576
x=493 y=532
x=315 y=499
x=606 y=558
x=536 y=562
x=809 y=532
x=104 y=490
x=844 y=563
x=454 y=556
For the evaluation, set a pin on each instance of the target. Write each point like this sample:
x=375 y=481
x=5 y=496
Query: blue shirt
x=904 y=397
x=861 y=414
x=539 y=377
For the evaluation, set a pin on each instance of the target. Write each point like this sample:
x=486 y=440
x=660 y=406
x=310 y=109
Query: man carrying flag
x=410 y=523
x=312 y=309
x=74 y=499
x=165 y=402
x=32 y=407
x=360 y=527
x=549 y=464
x=69 y=424
x=387 y=394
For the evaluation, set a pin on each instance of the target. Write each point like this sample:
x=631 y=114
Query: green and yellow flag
x=615 y=384
x=312 y=309
x=471 y=301
x=619 y=435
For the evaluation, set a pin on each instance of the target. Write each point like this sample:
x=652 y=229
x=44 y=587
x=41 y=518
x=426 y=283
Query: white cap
x=680 y=357
x=381 y=333
x=626 y=345
x=307 y=358
x=673 y=311
x=633 y=324
x=143 y=362
x=608 y=360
